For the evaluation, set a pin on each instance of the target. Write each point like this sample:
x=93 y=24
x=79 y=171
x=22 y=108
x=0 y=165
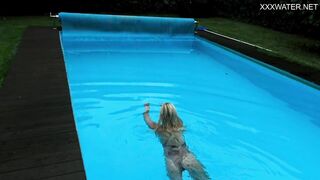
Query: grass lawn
x=11 y=29
x=291 y=47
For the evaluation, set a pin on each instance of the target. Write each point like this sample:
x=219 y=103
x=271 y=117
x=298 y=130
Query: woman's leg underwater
x=194 y=167
x=174 y=172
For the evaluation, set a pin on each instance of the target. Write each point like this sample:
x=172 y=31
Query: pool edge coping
x=253 y=59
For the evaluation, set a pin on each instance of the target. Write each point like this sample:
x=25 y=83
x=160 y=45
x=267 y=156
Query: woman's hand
x=147 y=107
x=147 y=119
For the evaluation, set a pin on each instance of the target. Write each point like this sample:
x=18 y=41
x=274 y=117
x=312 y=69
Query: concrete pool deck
x=38 y=138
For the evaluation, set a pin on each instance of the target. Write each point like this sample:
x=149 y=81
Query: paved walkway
x=38 y=139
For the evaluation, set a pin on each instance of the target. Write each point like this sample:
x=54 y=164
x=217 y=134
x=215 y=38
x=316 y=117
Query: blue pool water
x=243 y=120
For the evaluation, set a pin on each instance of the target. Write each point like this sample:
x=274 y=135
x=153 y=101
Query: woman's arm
x=147 y=119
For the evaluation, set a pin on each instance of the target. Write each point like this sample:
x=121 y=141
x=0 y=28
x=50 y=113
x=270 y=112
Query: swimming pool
x=243 y=120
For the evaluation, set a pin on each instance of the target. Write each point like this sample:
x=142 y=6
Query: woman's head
x=169 y=119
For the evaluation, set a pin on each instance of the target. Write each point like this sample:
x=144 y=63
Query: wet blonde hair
x=169 y=119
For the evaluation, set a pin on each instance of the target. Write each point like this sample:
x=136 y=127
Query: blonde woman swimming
x=178 y=158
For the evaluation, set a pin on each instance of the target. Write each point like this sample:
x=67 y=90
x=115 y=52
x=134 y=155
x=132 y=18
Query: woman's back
x=169 y=130
x=171 y=138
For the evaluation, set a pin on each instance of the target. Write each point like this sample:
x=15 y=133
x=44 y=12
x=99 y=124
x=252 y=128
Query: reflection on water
x=237 y=128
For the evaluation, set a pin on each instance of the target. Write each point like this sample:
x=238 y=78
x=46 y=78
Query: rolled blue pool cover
x=120 y=25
